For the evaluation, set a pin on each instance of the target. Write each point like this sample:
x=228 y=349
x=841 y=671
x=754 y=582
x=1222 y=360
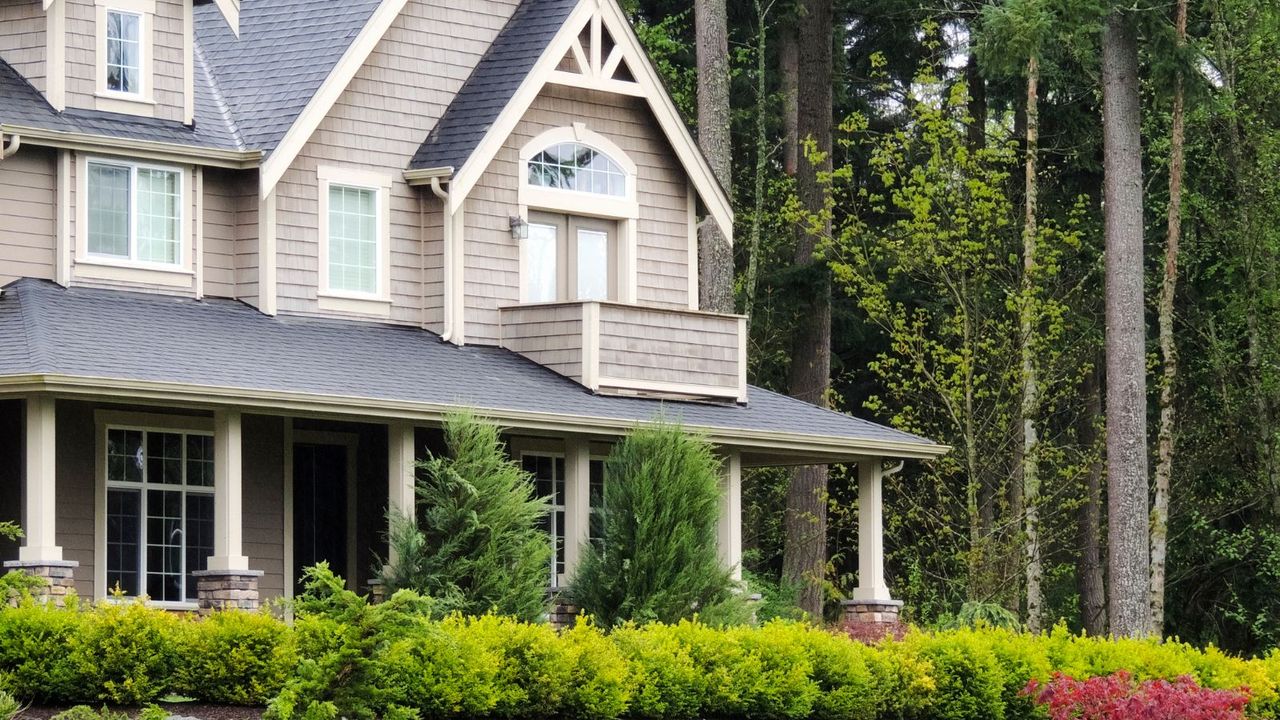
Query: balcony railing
x=620 y=349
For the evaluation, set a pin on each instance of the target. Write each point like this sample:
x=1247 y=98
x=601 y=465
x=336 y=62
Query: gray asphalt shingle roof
x=493 y=83
x=285 y=51
x=49 y=330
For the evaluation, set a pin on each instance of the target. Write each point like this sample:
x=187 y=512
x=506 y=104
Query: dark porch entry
x=323 y=522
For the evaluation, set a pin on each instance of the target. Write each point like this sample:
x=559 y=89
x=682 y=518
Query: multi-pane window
x=159 y=511
x=544 y=280
x=124 y=52
x=134 y=212
x=548 y=473
x=353 y=239
x=574 y=166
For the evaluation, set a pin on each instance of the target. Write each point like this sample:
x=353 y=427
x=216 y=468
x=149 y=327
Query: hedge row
x=356 y=660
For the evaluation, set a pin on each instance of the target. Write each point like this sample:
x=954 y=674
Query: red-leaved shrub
x=1118 y=697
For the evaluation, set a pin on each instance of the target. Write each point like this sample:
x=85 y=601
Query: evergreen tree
x=477 y=545
x=658 y=559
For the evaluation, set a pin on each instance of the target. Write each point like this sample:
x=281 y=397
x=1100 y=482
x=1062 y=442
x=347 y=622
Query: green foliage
x=9 y=706
x=236 y=658
x=127 y=652
x=980 y=614
x=10 y=530
x=397 y=660
x=476 y=545
x=658 y=558
x=84 y=712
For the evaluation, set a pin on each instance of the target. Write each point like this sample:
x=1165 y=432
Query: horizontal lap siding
x=22 y=39
x=221 y=205
x=640 y=344
x=377 y=125
x=28 y=208
x=550 y=336
x=76 y=477
x=263 y=488
x=662 y=252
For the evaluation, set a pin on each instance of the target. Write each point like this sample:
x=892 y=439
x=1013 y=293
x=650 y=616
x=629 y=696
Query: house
x=253 y=251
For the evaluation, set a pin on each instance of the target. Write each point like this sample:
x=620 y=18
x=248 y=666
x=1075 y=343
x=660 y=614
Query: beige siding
x=76 y=482
x=377 y=125
x=223 y=193
x=686 y=348
x=247 y=245
x=662 y=252
x=82 y=49
x=28 y=208
x=263 y=488
x=22 y=39
x=550 y=335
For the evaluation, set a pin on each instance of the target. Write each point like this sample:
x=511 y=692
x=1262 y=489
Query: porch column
x=577 y=502
x=729 y=533
x=872 y=613
x=40 y=554
x=401 y=474
x=228 y=582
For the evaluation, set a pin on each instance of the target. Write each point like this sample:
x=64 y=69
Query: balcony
x=618 y=349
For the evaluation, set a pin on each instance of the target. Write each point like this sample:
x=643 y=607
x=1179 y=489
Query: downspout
x=7 y=151
x=447 y=259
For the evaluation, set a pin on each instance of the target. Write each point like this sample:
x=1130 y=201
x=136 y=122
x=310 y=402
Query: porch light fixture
x=519 y=228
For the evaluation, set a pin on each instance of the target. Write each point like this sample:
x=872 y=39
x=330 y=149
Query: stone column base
x=228 y=590
x=58 y=577
x=563 y=613
x=377 y=591
x=871 y=621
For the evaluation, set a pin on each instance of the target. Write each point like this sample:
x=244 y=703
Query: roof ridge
x=219 y=100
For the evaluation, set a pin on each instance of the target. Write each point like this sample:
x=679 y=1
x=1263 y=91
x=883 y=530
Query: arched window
x=578 y=167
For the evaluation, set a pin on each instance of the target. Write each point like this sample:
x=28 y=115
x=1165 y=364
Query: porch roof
x=144 y=347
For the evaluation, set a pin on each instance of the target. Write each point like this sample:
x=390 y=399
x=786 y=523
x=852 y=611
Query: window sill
x=94 y=268
x=355 y=304
x=107 y=101
x=187 y=606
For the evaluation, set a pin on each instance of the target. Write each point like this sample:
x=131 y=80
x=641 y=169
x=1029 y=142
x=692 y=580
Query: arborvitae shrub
x=475 y=545
x=658 y=559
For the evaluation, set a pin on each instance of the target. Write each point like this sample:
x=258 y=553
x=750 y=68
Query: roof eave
x=800 y=448
x=423 y=176
x=145 y=149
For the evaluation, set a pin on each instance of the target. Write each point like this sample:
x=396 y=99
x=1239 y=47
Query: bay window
x=159 y=511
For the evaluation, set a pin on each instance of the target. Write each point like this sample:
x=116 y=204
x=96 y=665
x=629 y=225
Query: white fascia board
x=275 y=165
x=230 y=11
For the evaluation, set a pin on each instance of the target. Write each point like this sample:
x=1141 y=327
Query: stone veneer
x=228 y=590
x=58 y=576
x=563 y=613
x=871 y=621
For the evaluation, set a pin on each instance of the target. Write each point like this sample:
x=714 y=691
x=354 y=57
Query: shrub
x=476 y=545
x=125 y=653
x=34 y=664
x=9 y=706
x=236 y=658
x=658 y=560
x=1119 y=697
x=968 y=680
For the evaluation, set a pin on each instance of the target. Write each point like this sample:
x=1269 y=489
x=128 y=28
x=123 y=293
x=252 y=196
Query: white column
x=729 y=532
x=228 y=517
x=577 y=502
x=401 y=473
x=41 y=515
x=871 y=583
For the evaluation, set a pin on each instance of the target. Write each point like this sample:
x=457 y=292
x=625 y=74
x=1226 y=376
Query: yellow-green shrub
x=34 y=665
x=125 y=653
x=236 y=658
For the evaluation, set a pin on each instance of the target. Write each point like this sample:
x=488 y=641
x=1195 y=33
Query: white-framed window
x=578 y=167
x=548 y=471
x=134 y=212
x=570 y=257
x=158 y=514
x=355 y=242
x=124 y=52
x=125 y=56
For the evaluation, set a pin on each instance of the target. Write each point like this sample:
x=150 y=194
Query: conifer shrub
x=235 y=658
x=475 y=545
x=658 y=559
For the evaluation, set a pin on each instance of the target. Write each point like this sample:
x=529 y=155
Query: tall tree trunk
x=715 y=257
x=762 y=163
x=1030 y=383
x=789 y=75
x=1128 y=516
x=977 y=103
x=1093 y=592
x=1168 y=348
x=805 y=553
